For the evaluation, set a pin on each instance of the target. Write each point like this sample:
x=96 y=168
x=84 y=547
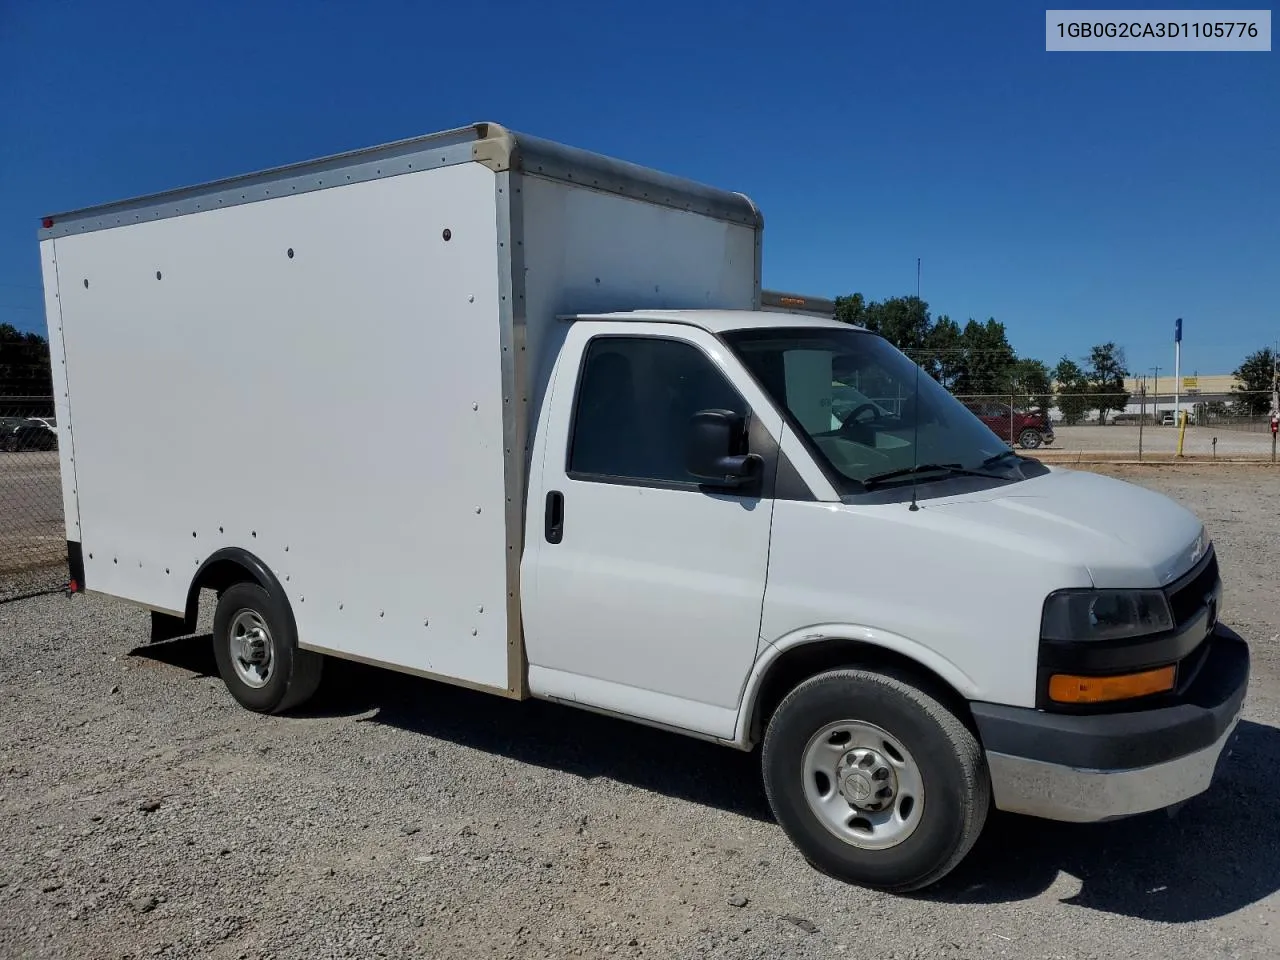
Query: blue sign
x=1177 y=330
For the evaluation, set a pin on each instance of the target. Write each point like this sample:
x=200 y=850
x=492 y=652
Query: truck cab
x=905 y=611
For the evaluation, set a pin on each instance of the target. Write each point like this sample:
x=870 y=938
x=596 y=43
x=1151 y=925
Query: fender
x=218 y=571
x=929 y=659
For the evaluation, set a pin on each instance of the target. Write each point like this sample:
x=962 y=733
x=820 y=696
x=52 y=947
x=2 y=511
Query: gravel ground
x=144 y=814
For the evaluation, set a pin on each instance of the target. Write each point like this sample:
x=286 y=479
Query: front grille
x=1187 y=596
x=1189 y=667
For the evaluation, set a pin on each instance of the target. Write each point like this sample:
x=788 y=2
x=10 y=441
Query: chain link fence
x=1096 y=426
x=1054 y=426
x=33 y=539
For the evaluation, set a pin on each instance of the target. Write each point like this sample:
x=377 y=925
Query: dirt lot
x=143 y=814
x=1162 y=441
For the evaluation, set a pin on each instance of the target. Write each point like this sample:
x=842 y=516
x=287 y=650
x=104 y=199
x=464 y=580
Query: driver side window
x=635 y=401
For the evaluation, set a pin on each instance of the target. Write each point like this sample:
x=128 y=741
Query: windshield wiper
x=992 y=461
x=950 y=469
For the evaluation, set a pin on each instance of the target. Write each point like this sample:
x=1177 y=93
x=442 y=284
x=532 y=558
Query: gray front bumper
x=1080 y=795
x=1101 y=766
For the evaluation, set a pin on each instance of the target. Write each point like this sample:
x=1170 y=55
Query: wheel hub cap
x=251 y=648
x=862 y=784
x=866 y=779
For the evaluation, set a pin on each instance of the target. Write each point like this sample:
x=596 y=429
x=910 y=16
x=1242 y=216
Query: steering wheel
x=851 y=422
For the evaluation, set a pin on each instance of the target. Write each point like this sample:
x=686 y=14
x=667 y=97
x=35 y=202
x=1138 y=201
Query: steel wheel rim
x=862 y=784
x=252 y=649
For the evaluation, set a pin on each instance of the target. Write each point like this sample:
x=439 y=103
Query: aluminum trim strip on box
x=389 y=160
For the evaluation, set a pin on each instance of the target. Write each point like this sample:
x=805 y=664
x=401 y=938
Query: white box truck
x=507 y=414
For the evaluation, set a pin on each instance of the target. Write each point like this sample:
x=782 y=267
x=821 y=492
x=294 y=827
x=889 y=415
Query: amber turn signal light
x=1066 y=688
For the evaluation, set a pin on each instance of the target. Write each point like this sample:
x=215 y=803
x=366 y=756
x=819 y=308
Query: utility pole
x=1155 y=397
x=1177 y=371
x=1275 y=378
x=1142 y=410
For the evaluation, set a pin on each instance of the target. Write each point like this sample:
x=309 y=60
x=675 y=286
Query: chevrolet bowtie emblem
x=1197 y=549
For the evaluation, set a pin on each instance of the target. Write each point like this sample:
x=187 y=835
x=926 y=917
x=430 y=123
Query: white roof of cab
x=717 y=321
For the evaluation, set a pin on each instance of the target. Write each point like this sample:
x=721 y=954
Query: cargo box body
x=334 y=367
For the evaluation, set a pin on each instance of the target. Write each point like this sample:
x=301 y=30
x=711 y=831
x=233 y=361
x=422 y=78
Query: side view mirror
x=716 y=452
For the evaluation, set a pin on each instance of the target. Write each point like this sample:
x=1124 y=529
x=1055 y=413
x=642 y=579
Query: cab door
x=642 y=589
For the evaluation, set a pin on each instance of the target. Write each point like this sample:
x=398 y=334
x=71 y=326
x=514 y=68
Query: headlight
x=1104 y=614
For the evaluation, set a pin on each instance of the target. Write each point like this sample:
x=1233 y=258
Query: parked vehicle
x=601 y=476
x=1028 y=429
x=1168 y=419
x=27 y=433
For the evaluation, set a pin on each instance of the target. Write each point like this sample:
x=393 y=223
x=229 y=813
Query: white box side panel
x=587 y=251
x=315 y=378
x=61 y=411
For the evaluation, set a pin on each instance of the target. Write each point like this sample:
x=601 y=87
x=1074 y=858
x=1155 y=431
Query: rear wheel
x=1029 y=439
x=875 y=782
x=255 y=645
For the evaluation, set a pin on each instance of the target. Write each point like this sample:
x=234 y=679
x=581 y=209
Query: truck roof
x=718 y=321
x=491 y=144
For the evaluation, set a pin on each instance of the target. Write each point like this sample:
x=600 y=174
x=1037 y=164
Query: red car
x=1028 y=429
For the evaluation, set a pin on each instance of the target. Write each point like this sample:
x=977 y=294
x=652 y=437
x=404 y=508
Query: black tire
x=1029 y=439
x=294 y=674
x=956 y=785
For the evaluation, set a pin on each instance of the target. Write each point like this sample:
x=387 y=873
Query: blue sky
x=1075 y=197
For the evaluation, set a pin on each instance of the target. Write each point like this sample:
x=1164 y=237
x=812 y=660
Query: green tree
x=987 y=358
x=904 y=322
x=946 y=349
x=1030 y=381
x=1253 y=393
x=24 y=363
x=970 y=361
x=852 y=309
x=1073 y=390
x=1106 y=375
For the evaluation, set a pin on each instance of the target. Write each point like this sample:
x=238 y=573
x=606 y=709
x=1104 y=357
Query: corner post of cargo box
x=62 y=406
x=757 y=297
x=497 y=149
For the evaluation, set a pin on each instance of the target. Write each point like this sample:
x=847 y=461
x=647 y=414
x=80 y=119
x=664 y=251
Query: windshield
x=853 y=397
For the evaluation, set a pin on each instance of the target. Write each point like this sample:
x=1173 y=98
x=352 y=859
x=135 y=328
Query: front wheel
x=256 y=648
x=1029 y=439
x=876 y=782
